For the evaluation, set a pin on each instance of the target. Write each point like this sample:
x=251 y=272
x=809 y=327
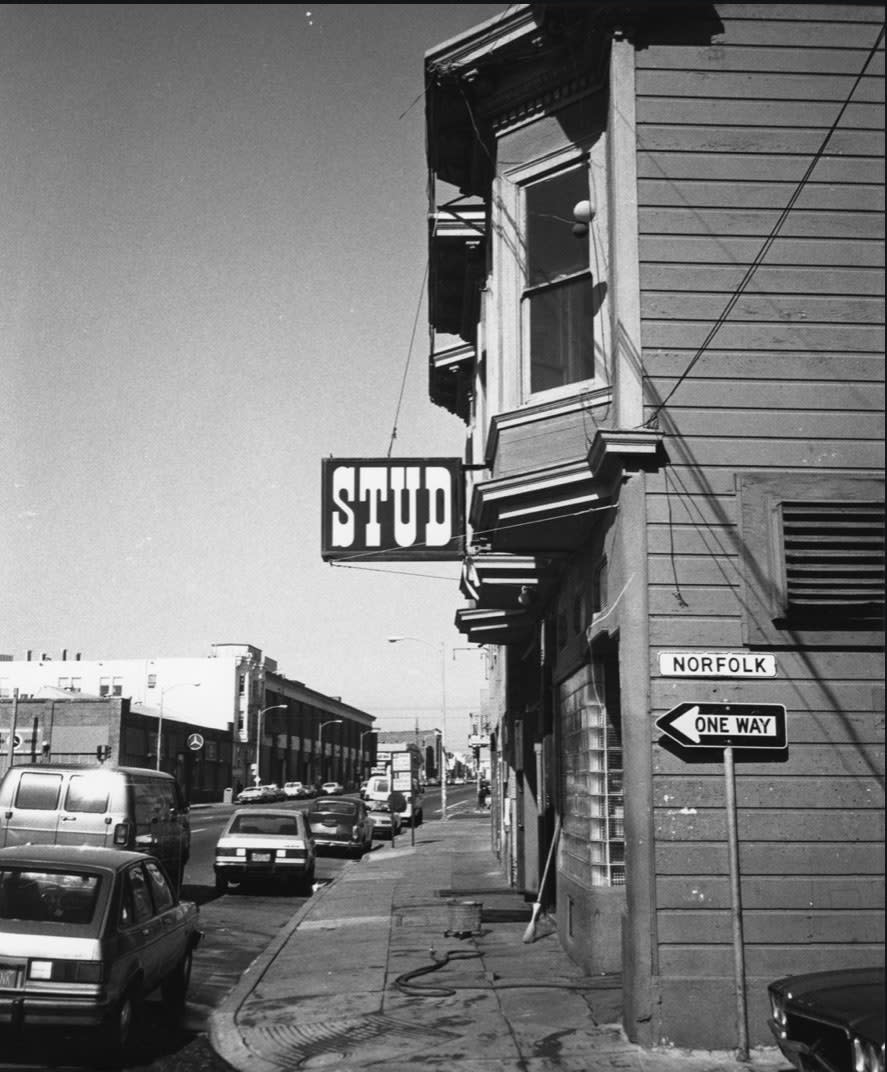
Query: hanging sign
x=391 y=510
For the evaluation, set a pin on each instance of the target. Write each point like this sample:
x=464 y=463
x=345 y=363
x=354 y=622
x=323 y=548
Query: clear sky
x=212 y=253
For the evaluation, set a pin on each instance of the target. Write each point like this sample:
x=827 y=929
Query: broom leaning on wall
x=530 y=932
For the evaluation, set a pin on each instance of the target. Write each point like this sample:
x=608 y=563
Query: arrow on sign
x=719 y=725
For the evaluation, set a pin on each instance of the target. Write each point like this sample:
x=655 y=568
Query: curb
x=224 y=1036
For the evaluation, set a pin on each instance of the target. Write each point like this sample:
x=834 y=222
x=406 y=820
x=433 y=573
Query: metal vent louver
x=834 y=559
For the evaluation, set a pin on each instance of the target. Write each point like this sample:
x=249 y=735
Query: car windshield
x=36 y=896
x=335 y=807
x=273 y=825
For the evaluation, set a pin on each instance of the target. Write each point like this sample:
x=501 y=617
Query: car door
x=32 y=813
x=173 y=938
x=84 y=815
x=139 y=926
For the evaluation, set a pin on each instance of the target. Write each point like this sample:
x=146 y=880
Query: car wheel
x=174 y=989
x=120 y=1027
x=305 y=885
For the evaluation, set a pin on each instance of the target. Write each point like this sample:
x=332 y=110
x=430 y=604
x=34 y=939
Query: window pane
x=553 y=251
x=562 y=335
x=38 y=792
x=160 y=889
x=87 y=795
x=142 y=905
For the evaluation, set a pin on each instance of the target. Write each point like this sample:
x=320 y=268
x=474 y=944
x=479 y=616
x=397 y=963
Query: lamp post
x=360 y=749
x=443 y=715
x=331 y=722
x=163 y=692
x=259 y=728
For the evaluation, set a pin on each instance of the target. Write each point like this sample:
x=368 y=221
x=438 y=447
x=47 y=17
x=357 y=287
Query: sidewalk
x=365 y=977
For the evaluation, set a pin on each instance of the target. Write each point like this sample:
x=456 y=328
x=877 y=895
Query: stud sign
x=391 y=510
x=716 y=664
x=719 y=725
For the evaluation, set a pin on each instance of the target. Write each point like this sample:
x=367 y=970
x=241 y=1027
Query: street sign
x=195 y=741
x=716 y=664
x=722 y=725
x=401 y=761
x=402 y=780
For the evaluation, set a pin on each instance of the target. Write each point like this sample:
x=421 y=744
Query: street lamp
x=259 y=729
x=443 y=723
x=163 y=692
x=360 y=747
x=331 y=722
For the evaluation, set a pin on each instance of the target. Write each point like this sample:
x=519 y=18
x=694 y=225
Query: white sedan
x=332 y=789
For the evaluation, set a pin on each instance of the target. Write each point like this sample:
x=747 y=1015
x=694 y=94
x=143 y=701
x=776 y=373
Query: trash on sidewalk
x=464 y=918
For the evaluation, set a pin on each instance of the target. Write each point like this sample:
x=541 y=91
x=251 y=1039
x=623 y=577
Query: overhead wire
x=768 y=241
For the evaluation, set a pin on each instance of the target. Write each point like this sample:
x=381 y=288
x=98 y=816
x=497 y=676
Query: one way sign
x=719 y=725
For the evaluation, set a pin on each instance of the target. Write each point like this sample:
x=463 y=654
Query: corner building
x=656 y=299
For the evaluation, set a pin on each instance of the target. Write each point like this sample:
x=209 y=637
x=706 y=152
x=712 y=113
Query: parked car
x=363 y=790
x=830 y=1021
x=332 y=789
x=386 y=823
x=266 y=843
x=249 y=795
x=341 y=824
x=113 y=807
x=296 y=791
x=85 y=934
x=259 y=794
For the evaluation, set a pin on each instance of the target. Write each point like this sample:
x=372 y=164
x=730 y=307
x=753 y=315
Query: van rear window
x=38 y=792
x=87 y=795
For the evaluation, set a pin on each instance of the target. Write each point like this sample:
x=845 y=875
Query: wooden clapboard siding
x=779 y=790
x=762 y=892
x=787 y=376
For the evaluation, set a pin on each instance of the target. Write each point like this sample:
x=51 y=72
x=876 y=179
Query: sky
x=212 y=257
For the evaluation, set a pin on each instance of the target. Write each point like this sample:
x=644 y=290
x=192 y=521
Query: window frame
x=597 y=270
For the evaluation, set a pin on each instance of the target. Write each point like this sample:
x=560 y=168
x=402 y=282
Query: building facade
x=225 y=720
x=656 y=298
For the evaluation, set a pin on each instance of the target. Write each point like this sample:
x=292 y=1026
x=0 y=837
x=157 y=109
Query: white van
x=114 y=807
x=379 y=788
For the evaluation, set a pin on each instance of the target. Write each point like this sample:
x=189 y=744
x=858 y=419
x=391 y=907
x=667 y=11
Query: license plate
x=261 y=857
x=9 y=976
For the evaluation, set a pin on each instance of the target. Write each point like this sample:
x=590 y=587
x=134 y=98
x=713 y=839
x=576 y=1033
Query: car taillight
x=229 y=850
x=122 y=834
x=66 y=971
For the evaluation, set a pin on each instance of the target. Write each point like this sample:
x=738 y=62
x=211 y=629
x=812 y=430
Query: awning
x=551 y=510
x=494 y=626
x=506 y=581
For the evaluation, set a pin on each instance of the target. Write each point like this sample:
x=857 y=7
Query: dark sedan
x=87 y=933
x=341 y=824
x=831 y=1021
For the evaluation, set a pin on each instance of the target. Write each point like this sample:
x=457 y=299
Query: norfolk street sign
x=720 y=725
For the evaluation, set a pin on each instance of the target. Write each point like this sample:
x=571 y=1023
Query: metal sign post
x=727 y=726
x=736 y=903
